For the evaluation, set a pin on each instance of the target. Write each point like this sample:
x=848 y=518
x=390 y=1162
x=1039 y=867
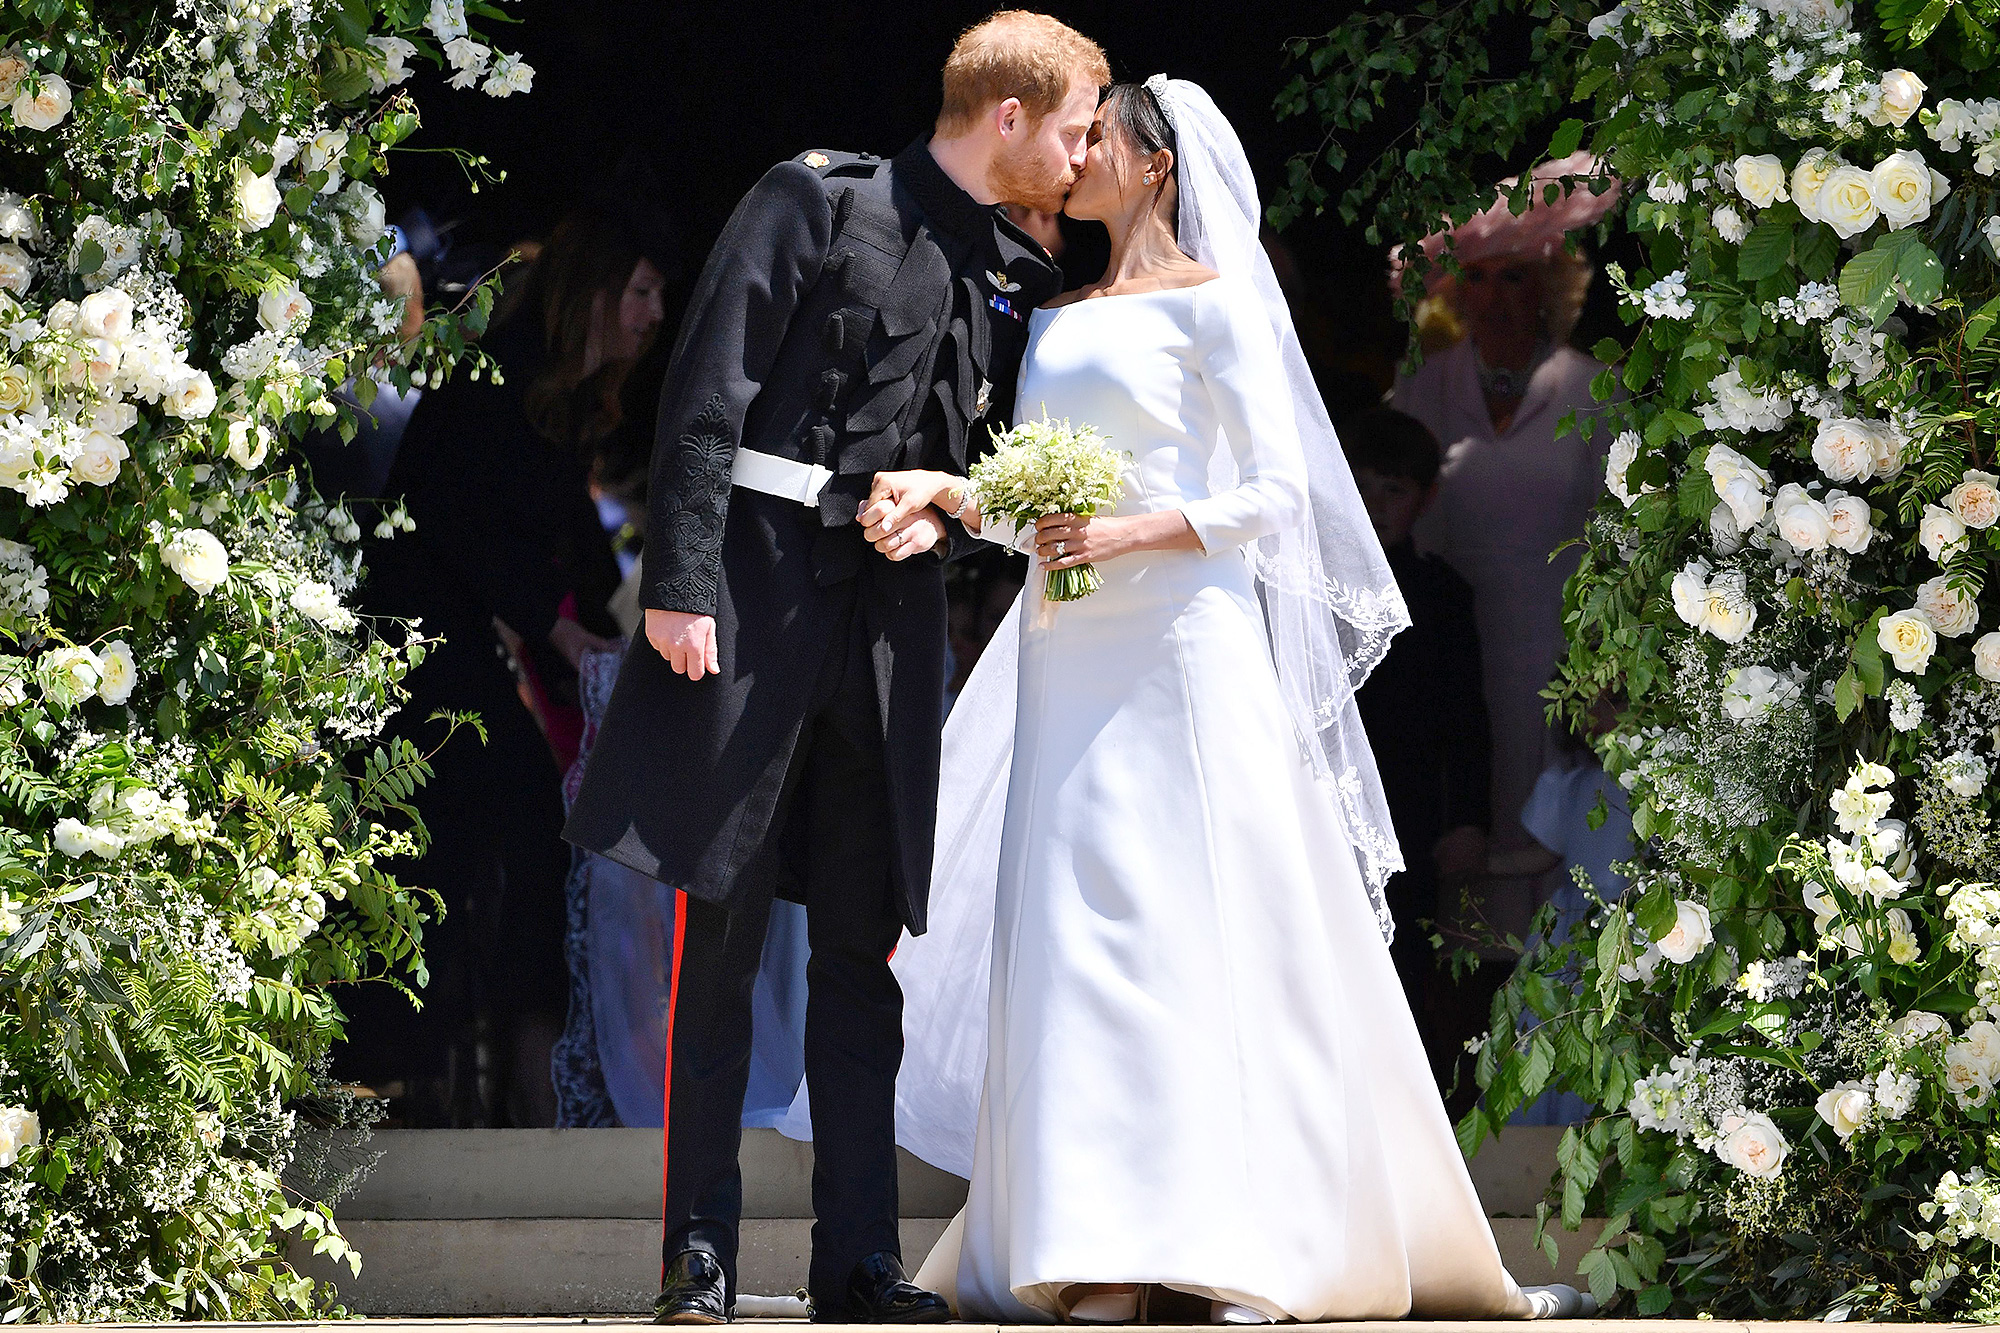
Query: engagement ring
x=1059 y=550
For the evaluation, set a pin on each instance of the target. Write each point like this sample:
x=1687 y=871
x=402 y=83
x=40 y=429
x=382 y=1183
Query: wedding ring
x=1060 y=550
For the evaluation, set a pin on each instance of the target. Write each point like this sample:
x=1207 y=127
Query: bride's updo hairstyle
x=1132 y=111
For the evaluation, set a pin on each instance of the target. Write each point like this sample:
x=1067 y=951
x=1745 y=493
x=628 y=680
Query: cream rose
x=1919 y=1025
x=1728 y=612
x=98 y=458
x=1752 y=1144
x=1909 y=638
x=120 y=672
x=1690 y=934
x=105 y=314
x=283 y=308
x=1761 y=179
x=257 y=199
x=13 y=68
x=18 y=389
x=1901 y=187
x=1802 y=521
x=201 y=561
x=1809 y=178
x=248 y=443
x=1975 y=501
x=191 y=396
x=1940 y=533
x=1986 y=656
x=75 y=668
x=19 y=1128
x=1847 y=201
x=1845 y=449
x=42 y=108
x=17 y=269
x=1952 y=613
x=1690 y=593
x=1902 y=93
x=1845 y=1106
x=1965 y=1075
x=1850 y=527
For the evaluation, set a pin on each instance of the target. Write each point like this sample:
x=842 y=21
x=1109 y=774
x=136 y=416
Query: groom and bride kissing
x=1132 y=892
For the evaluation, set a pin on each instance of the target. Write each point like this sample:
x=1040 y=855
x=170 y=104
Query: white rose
x=1981 y=1041
x=1847 y=201
x=1747 y=504
x=1761 y=179
x=113 y=418
x=1850 y=527
x=98 y=458
x=1908 y=637
x=361 y=208
x=1690 y=592
x=1809 y=178
x=1965 y=1075
x=324 y=154
x=105 y=314
x=201 y=561
x=1975 y=501
x=257 y=199
x=1802 y=521
x=19 y=1128
x=1940 y=533
x=72 y=837
x=1902 y=93
x=1919 y=1025
x=1845 y=449
x=1730 y=614
x=1986 y=656
x=282 y=309
x=62 y=315
x=191 y=396
x=1952 y=613
x=13 y=68
x=248 y=443
x=1845 y=1106
x=121 y=672
x=1690 y=934
x=43 y=108
x=1723 y=532
x=18 y=390
x=17 y=269
x=1901 y=185
x=1752 y=1144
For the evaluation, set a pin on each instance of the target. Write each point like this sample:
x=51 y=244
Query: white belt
x=799 y=482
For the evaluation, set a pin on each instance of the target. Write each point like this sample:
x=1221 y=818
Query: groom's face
x=1038 y=161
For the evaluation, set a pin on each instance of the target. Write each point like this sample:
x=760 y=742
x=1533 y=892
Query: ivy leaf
x=1765 y=250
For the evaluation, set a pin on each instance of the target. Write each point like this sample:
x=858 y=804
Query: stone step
x=615 y=1173
x=610 y=1266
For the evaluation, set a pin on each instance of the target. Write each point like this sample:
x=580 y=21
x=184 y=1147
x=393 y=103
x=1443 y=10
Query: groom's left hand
x=924 y=530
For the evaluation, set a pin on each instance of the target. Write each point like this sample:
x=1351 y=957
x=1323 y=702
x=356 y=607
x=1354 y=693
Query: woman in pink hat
x=1498 y=379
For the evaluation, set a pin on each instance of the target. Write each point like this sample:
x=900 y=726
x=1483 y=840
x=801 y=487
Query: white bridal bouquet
x=1051 y=467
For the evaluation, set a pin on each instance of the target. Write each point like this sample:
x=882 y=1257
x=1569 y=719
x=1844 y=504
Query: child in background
x=1425 y=712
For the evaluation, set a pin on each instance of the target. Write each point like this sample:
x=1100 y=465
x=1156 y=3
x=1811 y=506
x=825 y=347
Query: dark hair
x=1133 y=110
x=590 y=256
x=1392 y=443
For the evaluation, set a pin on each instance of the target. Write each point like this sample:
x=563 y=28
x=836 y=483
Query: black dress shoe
x=694 y=1291
x=878 y=1293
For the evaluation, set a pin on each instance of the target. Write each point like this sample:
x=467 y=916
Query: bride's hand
x=1062 y=540
x=896 y=497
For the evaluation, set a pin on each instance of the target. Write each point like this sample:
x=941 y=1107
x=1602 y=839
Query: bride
x=1155 y=1018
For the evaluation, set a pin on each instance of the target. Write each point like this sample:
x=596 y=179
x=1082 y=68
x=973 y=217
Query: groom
x=777 y=733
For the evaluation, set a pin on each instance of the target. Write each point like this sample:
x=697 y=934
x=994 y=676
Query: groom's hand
x=687 y=642
x=924 y=530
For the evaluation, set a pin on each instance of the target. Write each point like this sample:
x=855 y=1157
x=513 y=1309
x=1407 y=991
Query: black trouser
x=833 y=832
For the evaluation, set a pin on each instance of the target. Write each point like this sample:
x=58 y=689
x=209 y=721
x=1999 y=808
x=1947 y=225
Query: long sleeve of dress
x=767 y=259
x=1237 y=355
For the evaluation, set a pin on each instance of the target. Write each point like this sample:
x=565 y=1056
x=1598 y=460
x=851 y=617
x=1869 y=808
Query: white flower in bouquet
x=1858 y=355
x=1847 y=201
x=1723 y=533
x=73 y=671
x=1941 y=533
x=469 y=58
x=1975 y=501
x=19 y=389
x=1729 y=224
x=14 y=67
x=105 y=314
x=1986 y=656
x=1902 y=93
x=1739 y=483
x=1962 y=772
x=362 y=213
x=119 y=672
x=1904 y=188
x=249 y=441
x=190 y=395
x=1850 y=526
x=1906 y=706
x=1918 y=1027
x=1751 y=692
x=1668 y=297
x=24 y=585
x=1049 y=467
x=1896 y=1092
x=98 y=458
x=396 y=53
x=1952 y=612
x=1991 y=230
x=1623 y=452
x=76 y=839
x=1857 y=807
x=447 y=20
x=1655 y=1103
x=19 y=1128
x=1733 y=406
x=1664 y=189
x=323 y=153
x=1690 y=593
x=319 y=603
x=1809 y=179
x=1690 y=933
x=1801 y=520
x=1642 y=967
x=342 y=525
x=1741 y=23
x=1729 y=614
x=510 y=74
x=44 y=105
x=1846 y=1106
x=1752 y=1143
x=1846 y=448
x=1909 y=638
x=201 y=561
x=1760 y=179
x=17 y=269
x=257 y=198
x=283 y=309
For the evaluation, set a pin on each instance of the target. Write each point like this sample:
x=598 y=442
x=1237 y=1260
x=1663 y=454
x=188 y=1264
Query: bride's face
x=1112 y=182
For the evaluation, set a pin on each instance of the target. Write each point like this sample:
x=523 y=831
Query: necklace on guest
x=1505 y=381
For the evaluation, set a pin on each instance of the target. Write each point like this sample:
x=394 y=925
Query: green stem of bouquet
x=1067 y=585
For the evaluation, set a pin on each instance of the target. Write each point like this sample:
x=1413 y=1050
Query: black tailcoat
x=867 y=315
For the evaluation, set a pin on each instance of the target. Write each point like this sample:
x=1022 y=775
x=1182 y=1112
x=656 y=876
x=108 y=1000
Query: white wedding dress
x=1200 y=1069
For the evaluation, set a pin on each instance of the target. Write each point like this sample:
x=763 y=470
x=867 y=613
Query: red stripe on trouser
x=667 y=1079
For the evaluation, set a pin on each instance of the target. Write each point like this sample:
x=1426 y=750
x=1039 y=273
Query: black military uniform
x=865 y=315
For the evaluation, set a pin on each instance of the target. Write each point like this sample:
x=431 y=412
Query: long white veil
x=1331 y=607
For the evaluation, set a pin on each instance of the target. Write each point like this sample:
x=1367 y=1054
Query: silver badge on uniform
x=1001 y=282
x=985 y=398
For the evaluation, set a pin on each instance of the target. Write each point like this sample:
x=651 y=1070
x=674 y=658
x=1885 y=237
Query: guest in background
x=1424 y=710
x=507 y=550
x=1515 y=486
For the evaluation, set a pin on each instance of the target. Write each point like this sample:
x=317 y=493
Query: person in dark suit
x=777 y=729
x=1423 y=706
